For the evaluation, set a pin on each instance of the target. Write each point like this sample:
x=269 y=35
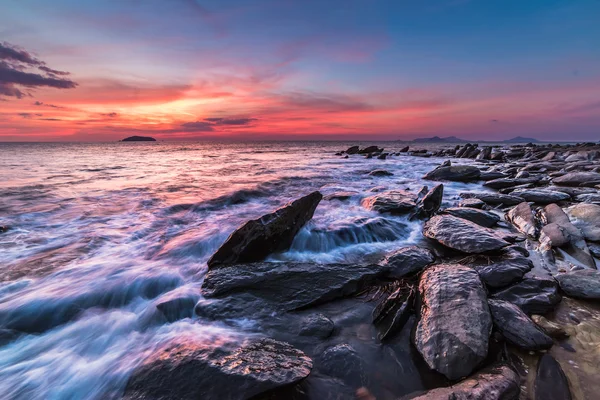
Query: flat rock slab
x=454 y=327
x=186 y=369
x=583 y=284
x=462 y=235
x=271 y=233
x=578 y=179
x=291 y=286
x=391 y=201
x=532 y=295
x=486 y=219
x=408 y=260
x=494 y=198
x=517 y=328
x=541 y=196
x=498 y=382
x=586 y=217
x=504 y=272
x=457 y=173
x=550 y=381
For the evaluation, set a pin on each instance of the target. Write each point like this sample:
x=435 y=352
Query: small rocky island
x=139 y=139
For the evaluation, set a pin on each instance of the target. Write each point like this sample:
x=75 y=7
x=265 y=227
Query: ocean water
x=100 y=232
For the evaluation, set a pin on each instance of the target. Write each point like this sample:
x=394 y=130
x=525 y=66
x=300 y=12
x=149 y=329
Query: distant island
x=454 y=139
x=139 y=139
x=437 y=139
x=520 y=139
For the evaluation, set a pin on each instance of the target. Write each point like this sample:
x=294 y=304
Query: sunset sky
x=75 y=70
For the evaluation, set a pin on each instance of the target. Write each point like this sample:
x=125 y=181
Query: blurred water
x=100 y=231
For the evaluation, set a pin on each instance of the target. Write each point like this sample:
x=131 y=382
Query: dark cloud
x=29 y=115
x=230 y=121
x=198 y=126
x=494 y=121
x=111 y=115
x=14 y=63
x=39 y=103
x=324 y=101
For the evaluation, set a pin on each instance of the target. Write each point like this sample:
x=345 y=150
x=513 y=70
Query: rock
x=523 y=174
x=341 y=196
x=550 y=381
x=586 y=217
x=343 y=362
x=317 y=325
x=291 y=286
x=380 y=172
x=541 y=196
x=382 y=156
x=551 y=329
x=271 y=233
x=484 y=218
x=578 y=179
x=454 y=327
x=472 y=203
x=370 y=149
x=497 y=382
x=177 y=304
x=353 y=150
x=4 y=228
x=462 y=235
x=491 y=175
x=522 y=218
x=392 y=201
x=517 y=328
x=430 y=203
x=593 y=198
x=190 y=369
x=595 y=250
x=404 y=149
x=393 y=312
x=502 y=183
x=139 y=139
x=584 y=284
x=494 y=198
x=505 y=272
x=407 y=261
x=457 y=173
x=532 y=295
x=554 y=235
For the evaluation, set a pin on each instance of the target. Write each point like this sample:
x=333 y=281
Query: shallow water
x=99 y=232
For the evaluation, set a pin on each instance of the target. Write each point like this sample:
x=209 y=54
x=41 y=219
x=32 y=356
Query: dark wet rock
x=472 y=203
x=430 y=203
x=506 y=271
x=484 y=218
x=343 y=362
x=494 y=198
x=523 y=174
x=571 y=191
x=586 y=217
x=317 y=325
x=4 y=228
x=380 y=172
x=190 y=369
x=491 y=175
x=502 y=183
x=454 y=327
x=595 y=250
x=523 y=219
x=554 y=235
x=271 y=233
x=458 y=173
x=341 y=196
x=370 y=149
x=382 y=156
x=578 y=179
x=541 y=196
x=532 y=295
x=404 y=149
x=550 y=381
x=177 y=304
x=583 y=284
x=462 y=235
x=392 y=201
x=393 y=312
x=517 y=328
x=593 y=198
x=352 y=150
x=552 y=329
x=291 y=286
x=497 y=382
x=407 y=261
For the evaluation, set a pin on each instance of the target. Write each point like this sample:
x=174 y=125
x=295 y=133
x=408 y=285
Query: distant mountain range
x=454 y=139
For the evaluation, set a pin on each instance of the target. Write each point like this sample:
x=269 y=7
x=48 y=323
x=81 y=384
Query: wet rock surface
x=392 y=201
x=532 y=295
x=494 y=198
x=578 y=179
x=458 y=173
x=462 y=235
x=452 y=334
x=586 y=217
x=407 y=261
x=550 y=381
x=522 y=218
x=583 y=284
x=505 y=271
x=517 y=327
x=486 y=219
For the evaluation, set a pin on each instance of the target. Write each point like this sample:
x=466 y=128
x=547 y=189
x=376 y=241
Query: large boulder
x=494 y=198
x=582 y=284
x=462 y=235
x=274 y=232
x=486 y=219
x=550 y=380
x=586 y=217
x=497 y=382
x=541 y=196
x=291 y=286
x=454 y=326
x=578 y=179
x=517 y=327
x=430 y=203
x=457 y=173
x=521 y=216
x=392 y=201
x=190 y=369
x=407 y=261
x=532 y=295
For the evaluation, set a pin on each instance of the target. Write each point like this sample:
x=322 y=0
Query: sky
x=74 y=70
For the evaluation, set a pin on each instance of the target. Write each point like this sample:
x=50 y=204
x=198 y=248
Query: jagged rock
x=188 y=368
x=380 y=172
x=407 y=261
x=532 y=295
x=353 y=150
x=506 y=271
x=291 y=286
x=551 y=329
x=454 y=327
x=497 y=382
x=554 y=235
x=462 y=235
x=550 y=381
x=457 y=173
x=393 y=312
x=522 y=218
x=494 y=198
x=404 y=149
x=177 y=304
x=343 y=362
x=341 y=196
x=317 y=325
x=578 y=179
x=392 y=201
x=271 y=233
x=541 y=196
x=484 y=218
x=517 y=327
x=370 y=149
x=430 y=203
x=584 y=284
x=472 y=203
x=586 y=217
